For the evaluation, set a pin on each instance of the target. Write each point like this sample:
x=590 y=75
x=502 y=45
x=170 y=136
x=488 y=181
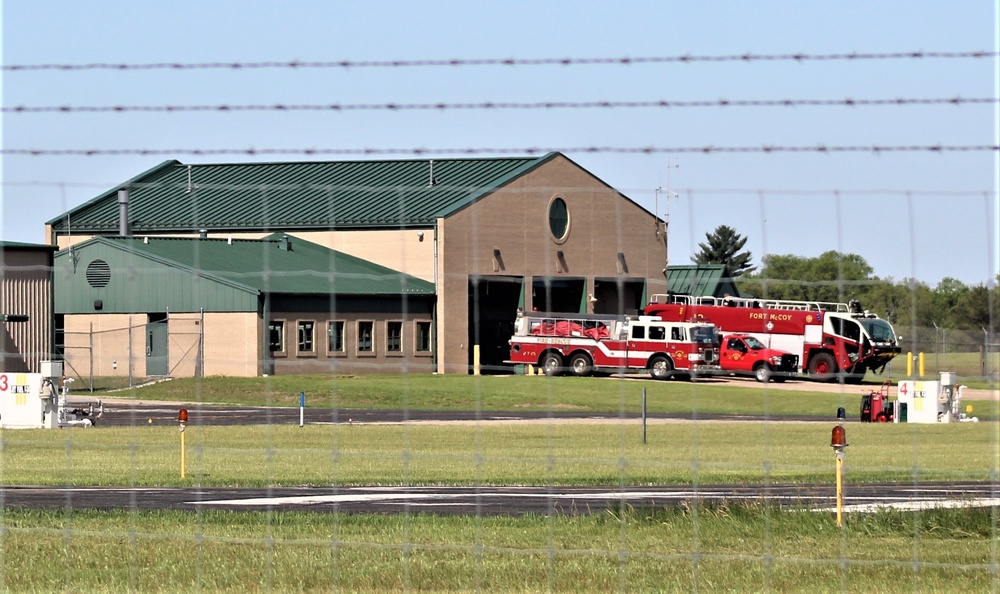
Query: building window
x=394 y=337
x=306 y=336
x=276 y=336
x=423 y=337
x=366 y=332
x=558 y=219
x=336 y=334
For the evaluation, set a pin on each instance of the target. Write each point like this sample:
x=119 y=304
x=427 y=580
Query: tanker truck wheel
x=762 y=373
x=823 y=367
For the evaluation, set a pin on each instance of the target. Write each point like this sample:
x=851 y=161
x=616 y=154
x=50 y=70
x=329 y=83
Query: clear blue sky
x=909 y=214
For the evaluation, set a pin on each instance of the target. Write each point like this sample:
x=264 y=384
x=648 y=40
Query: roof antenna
x=190 y=181
x=433 y=180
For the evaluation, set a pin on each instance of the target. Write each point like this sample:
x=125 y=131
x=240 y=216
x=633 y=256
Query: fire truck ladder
x=826 y=306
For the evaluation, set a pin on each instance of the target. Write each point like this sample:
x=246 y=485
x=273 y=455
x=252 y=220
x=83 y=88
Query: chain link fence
x=101 y=359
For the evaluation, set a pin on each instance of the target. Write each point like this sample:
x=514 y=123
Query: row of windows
x=305 y=332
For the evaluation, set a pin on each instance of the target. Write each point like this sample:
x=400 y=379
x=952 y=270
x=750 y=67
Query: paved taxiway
x=464 y=500
x=497 y=501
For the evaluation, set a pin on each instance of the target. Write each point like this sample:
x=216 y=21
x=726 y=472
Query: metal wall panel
x=26 y=289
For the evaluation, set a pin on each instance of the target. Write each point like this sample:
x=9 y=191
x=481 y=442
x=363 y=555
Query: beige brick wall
x=111 y=348
x=514 y=220
x=231 y=344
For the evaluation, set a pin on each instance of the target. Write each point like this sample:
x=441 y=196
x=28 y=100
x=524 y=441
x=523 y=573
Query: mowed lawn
x=723 y=548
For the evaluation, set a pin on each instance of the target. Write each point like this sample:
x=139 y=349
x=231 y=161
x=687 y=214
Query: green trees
x=832 y=276
x=838 y=277
x=723 y=246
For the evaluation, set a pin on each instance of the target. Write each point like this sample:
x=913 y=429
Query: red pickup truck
x=745 y=355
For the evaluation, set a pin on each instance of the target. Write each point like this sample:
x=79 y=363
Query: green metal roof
x=301 y=195
x=17 y=245
x=276 y=264
x=705 y=280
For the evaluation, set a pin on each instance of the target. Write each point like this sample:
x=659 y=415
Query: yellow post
x=838 y=441
x=840 y=488
x=182 y=417
x=183 y=455
x=475 y=360
x=921 y=365
x=909 y=363
x=530 y=369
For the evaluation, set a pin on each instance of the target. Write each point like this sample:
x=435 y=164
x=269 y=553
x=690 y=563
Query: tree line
x=837 y=277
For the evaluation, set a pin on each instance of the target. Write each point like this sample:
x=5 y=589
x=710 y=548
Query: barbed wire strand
x=457 y=62
x=766 y=149
x=498 y=105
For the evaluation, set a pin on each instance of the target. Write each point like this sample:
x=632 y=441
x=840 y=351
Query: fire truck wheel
x=552 y=364
x=660 y=368
x=762 y=373
x=823 y=367
x=580 y=365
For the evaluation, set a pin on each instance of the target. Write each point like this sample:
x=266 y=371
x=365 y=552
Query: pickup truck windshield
x=753 y=343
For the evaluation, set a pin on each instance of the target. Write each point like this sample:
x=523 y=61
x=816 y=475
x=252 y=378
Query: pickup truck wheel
x=660 y=368
x=552 y=364
x=580 y=365
x=822 y=367
x=762 y=372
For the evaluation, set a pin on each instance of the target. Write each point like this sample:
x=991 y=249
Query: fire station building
x=377 y=266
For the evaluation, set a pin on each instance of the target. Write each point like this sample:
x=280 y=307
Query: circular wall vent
x=98 y=274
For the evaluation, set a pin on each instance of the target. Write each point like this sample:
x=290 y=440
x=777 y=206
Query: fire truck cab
x=584 y=344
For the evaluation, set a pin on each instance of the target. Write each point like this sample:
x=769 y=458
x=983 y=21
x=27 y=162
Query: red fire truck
x=582 y=344
x=836 y=340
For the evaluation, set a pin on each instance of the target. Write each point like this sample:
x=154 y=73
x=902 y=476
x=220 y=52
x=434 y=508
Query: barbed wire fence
x=935 y=342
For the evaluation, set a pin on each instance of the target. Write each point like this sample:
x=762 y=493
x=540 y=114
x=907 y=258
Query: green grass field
x=514 y=392
x=524 y=454
x=695 y=549
x=728 y=548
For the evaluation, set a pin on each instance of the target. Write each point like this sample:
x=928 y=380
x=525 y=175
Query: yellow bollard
x=921 y=364
x=475 y=359
x=182 y=416
x=530 y=369
x=838 y=441
x=909 y=363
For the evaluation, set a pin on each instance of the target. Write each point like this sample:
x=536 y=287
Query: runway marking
x=926 y=504
x=391 y=495
x=317 y=499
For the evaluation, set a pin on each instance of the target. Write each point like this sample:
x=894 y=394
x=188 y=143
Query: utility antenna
x=669 y=193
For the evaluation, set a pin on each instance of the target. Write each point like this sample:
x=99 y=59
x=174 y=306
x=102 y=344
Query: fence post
x=91 y=336
x=130 y=351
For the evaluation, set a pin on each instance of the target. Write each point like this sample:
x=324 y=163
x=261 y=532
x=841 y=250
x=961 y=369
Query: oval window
x=558 y=219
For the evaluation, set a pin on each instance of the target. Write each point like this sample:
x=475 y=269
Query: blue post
x=302 y=409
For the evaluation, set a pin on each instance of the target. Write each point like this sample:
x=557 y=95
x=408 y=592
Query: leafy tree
x=947 y=295
x=831 y=277
x=723 y=246
x=976 y=309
